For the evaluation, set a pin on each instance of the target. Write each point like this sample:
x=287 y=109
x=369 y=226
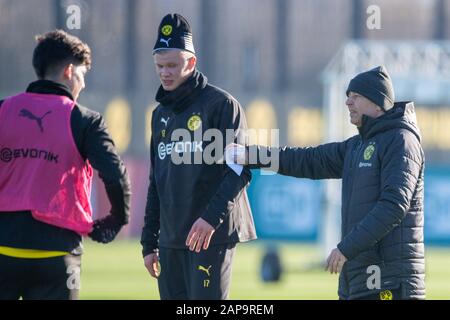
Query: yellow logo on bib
x=194 y=123
x=166 y=30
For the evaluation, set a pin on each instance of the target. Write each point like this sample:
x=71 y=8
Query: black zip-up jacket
x=382 y=172
x=21 y=230
x=181 y=193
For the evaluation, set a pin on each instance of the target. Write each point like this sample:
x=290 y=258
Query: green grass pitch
x=116 y=271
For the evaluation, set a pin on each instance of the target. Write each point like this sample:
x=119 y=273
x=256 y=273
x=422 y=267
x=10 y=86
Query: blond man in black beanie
x=381 y=253
x=196 y=213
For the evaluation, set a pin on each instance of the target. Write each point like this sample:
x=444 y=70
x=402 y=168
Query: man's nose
x=165 y=72
x=349 y=101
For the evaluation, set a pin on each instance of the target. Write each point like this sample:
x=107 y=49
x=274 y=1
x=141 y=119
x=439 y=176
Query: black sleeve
x=96 y=145
x=401 y=167
x=322 y=162
x=150 y=231
x=231 y=116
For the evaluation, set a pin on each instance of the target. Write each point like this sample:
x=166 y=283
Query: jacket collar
x=49 y=87
x=180 y=98
x=402 y=115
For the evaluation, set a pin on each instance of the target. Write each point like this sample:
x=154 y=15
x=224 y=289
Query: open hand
x=335 y=261
x=200 y=235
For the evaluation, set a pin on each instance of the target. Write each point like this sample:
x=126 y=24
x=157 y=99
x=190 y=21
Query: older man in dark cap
x=381 y=254
x=196 y=212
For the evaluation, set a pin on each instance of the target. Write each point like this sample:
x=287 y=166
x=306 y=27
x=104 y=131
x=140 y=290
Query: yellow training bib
x=30 y=253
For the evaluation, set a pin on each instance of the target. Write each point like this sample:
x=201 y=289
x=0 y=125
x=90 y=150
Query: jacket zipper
x=356 y=155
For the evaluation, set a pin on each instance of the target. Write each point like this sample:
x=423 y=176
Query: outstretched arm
x=322 y=162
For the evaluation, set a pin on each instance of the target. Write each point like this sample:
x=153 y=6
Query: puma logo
x=165 y=41
x=206 y=270
x=165 y=121
x=27 y=114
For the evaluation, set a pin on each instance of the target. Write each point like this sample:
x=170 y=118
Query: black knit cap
x=375 y=85
x=174 y=32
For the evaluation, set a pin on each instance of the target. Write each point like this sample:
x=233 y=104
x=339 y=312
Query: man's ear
x=192 y=62
x=68 y=72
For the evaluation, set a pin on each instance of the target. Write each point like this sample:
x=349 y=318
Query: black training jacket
x=181 y=193
x=21 y=230
x=382 y=172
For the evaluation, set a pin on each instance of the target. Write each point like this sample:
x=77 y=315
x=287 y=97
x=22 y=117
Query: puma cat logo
x=165 y=121
x=165 y=41
x=27 y=114
x=206 y=270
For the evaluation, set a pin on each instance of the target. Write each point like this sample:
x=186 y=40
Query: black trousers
x=187 y=275
x=55 y=278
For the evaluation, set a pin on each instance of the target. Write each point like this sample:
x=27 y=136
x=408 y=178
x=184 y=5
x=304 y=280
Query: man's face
x=359 y=105
x=173 y=68
x=75 y=79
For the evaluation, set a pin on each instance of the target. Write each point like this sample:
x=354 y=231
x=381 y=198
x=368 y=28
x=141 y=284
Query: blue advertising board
x=437 y=205
x=287 y=208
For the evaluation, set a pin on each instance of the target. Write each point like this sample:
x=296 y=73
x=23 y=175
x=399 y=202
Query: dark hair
x=56 y=49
